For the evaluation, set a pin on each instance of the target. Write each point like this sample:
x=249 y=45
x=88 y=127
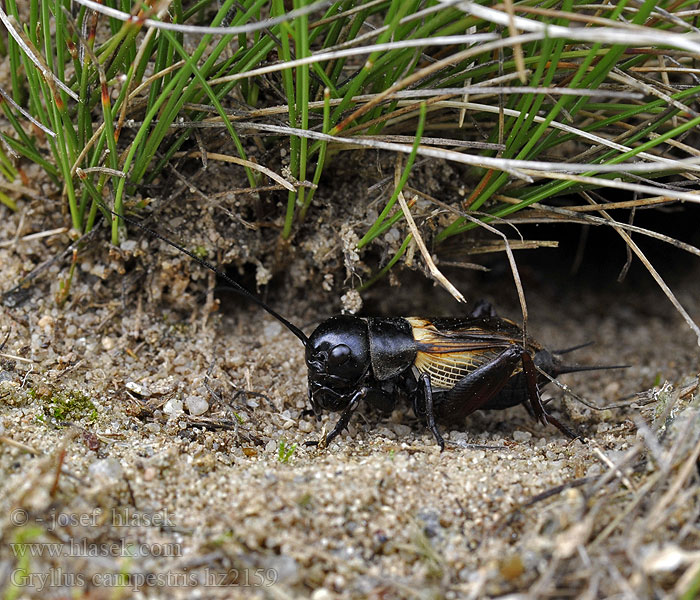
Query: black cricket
x=447 y=368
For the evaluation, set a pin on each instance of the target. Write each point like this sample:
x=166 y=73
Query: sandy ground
x=131 y=450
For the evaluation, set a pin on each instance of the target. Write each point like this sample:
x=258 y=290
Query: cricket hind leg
x=563 y=428
x=534 y=405
x=477 y=389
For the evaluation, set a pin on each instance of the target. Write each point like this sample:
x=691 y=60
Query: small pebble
x=196 y=405
x=401 y=430
x=285 y=568
x=46 y=322
x=521 y=436
x=149 y=474
x=108 y=470
x=321 y=594
x=272 y=330
x=173 y=407
x=136 y=388
x=163 y=386
x=612 y=389
x=107 y=343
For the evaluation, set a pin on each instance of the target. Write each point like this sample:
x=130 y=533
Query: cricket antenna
x=566 y=389
x=236 y=286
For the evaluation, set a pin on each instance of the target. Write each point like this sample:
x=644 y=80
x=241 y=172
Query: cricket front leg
x=344 y=418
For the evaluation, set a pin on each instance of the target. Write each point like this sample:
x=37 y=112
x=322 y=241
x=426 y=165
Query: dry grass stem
x=245 y=163
x=434 y=271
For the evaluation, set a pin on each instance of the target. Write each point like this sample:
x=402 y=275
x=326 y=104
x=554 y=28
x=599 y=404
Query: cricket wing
x=454 y=348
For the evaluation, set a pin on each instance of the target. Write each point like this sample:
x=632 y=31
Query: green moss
x=69 y=406
x=305 y=500
x=284 y=452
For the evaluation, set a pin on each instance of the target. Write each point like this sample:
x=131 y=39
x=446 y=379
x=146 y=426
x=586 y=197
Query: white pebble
x=196 y=405
x=272 y=330
x=521 y=436
x=108 y=470
x=46 y=322
x=173 y=407
x=137 y=388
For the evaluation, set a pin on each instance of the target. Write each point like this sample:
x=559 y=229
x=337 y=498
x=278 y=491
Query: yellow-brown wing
x=450 y=349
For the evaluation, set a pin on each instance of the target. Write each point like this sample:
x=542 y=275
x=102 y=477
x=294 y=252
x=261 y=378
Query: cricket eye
x=339 y=355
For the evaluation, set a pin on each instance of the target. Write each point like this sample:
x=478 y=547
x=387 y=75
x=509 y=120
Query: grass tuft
x=536 y=105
